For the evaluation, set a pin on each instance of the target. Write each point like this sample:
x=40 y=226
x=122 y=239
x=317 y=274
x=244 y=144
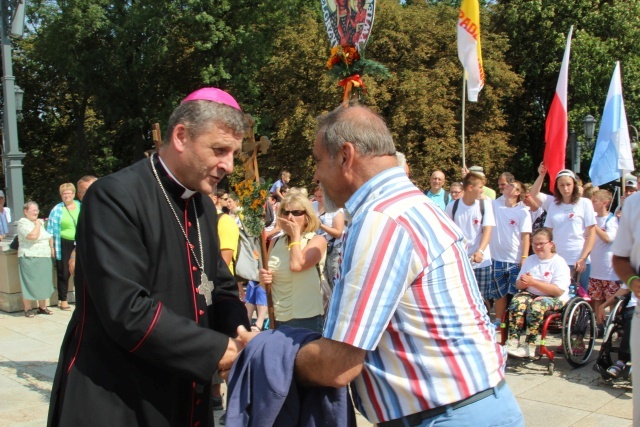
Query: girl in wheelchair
x=607 y=368
x=543 y=285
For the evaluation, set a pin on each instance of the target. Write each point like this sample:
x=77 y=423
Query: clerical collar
x=187 y=193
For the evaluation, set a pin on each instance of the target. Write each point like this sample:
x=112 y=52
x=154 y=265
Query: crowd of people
x=569 y=235
x=373 y=268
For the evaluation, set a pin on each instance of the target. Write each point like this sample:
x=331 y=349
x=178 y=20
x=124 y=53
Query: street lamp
x=589 y=127
x=12 y=23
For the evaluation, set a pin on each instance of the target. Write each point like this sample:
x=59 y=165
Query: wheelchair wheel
x=614 y=320
x=613 y=326
x=578 y=332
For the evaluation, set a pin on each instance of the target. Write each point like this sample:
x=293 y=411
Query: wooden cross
x=249 y=157
x=249 y=154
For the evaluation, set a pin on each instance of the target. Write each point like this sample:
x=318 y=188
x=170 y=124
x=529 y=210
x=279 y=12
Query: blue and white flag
x=612 y=154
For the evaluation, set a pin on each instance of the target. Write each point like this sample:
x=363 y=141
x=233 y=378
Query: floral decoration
x=252 y=197
x=346 y=61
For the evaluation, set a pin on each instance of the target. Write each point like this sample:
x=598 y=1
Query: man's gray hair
x=87 y=178
x=200 y=116
x=367 y=131
x=508 y=176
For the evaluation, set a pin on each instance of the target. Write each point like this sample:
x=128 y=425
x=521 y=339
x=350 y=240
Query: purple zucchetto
x=212 y=94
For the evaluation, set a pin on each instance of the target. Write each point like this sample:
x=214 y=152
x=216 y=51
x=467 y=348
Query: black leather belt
x=418 y=417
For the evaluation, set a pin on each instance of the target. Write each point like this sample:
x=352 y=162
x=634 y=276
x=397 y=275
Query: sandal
x=65 y=307
x=29 y=314
x=616 y=369
x=44 y=311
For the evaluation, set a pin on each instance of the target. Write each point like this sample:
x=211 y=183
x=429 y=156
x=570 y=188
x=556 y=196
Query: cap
x=1 y=193
x=212 y=94
x=630 y=180
x=477 y=169
x=566 y=172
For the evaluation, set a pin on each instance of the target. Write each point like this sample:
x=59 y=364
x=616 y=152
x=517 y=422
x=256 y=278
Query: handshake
x=234 y=347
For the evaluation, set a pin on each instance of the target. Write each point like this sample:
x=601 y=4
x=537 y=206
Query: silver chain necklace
x=206 y=285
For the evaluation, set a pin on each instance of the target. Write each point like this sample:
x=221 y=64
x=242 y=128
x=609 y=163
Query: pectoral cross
x=205 y=288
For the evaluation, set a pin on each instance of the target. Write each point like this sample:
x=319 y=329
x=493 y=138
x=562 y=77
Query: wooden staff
x=251 y=173
x=265 y=265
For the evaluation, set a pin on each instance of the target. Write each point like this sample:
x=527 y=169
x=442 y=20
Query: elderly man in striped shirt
x=406 y=323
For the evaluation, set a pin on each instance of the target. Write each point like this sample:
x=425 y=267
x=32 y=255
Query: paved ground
x=570 y=397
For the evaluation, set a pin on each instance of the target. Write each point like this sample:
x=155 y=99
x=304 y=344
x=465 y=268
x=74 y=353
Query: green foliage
x=97 y=74
x=604 y=32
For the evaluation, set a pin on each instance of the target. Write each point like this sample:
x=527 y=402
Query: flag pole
x=464 y=100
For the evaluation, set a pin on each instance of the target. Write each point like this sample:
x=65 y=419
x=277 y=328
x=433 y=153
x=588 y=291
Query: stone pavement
x=570 y=397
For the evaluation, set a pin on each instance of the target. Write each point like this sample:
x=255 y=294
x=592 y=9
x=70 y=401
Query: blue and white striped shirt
x=407 y=294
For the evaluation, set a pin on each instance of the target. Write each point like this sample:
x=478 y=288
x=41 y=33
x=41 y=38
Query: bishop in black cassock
x=142 y=345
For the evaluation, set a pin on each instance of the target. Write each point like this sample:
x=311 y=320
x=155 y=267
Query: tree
x=421 y=102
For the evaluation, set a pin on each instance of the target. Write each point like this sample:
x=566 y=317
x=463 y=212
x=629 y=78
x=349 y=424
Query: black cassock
x=142 y=345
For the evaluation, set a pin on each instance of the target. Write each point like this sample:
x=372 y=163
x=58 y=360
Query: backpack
x=269 y=214
x=247 y=263
x=455 y=208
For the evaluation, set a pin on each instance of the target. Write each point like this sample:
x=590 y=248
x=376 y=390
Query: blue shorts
x=483 y=277
x=504 y=279
x=255 y=294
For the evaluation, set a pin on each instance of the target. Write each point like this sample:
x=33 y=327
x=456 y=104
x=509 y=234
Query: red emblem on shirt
x=571 y=215
x=546 y=274
x=512 y=222
x=476 y=221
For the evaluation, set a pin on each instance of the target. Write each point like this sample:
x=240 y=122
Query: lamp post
x=574 y=146
x=589 y=127
x=12 y=24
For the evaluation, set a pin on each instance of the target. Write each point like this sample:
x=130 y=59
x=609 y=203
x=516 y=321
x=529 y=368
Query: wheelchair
x=613 y=332
x=576 y=322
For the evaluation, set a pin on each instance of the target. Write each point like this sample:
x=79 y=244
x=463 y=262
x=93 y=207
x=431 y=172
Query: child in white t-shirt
x=603 y=281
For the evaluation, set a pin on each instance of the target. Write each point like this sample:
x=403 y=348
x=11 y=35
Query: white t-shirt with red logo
x=553 y=270
x=569 y=222
x=471 y=221
x=601 y=256
x=506 y=237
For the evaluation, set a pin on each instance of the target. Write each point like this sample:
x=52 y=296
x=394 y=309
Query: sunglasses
x=294 y=213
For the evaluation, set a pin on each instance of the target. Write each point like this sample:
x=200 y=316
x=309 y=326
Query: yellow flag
x=469 y=50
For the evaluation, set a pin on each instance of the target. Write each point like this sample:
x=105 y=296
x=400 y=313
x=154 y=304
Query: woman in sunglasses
x=295 y=261
x=543 y=284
